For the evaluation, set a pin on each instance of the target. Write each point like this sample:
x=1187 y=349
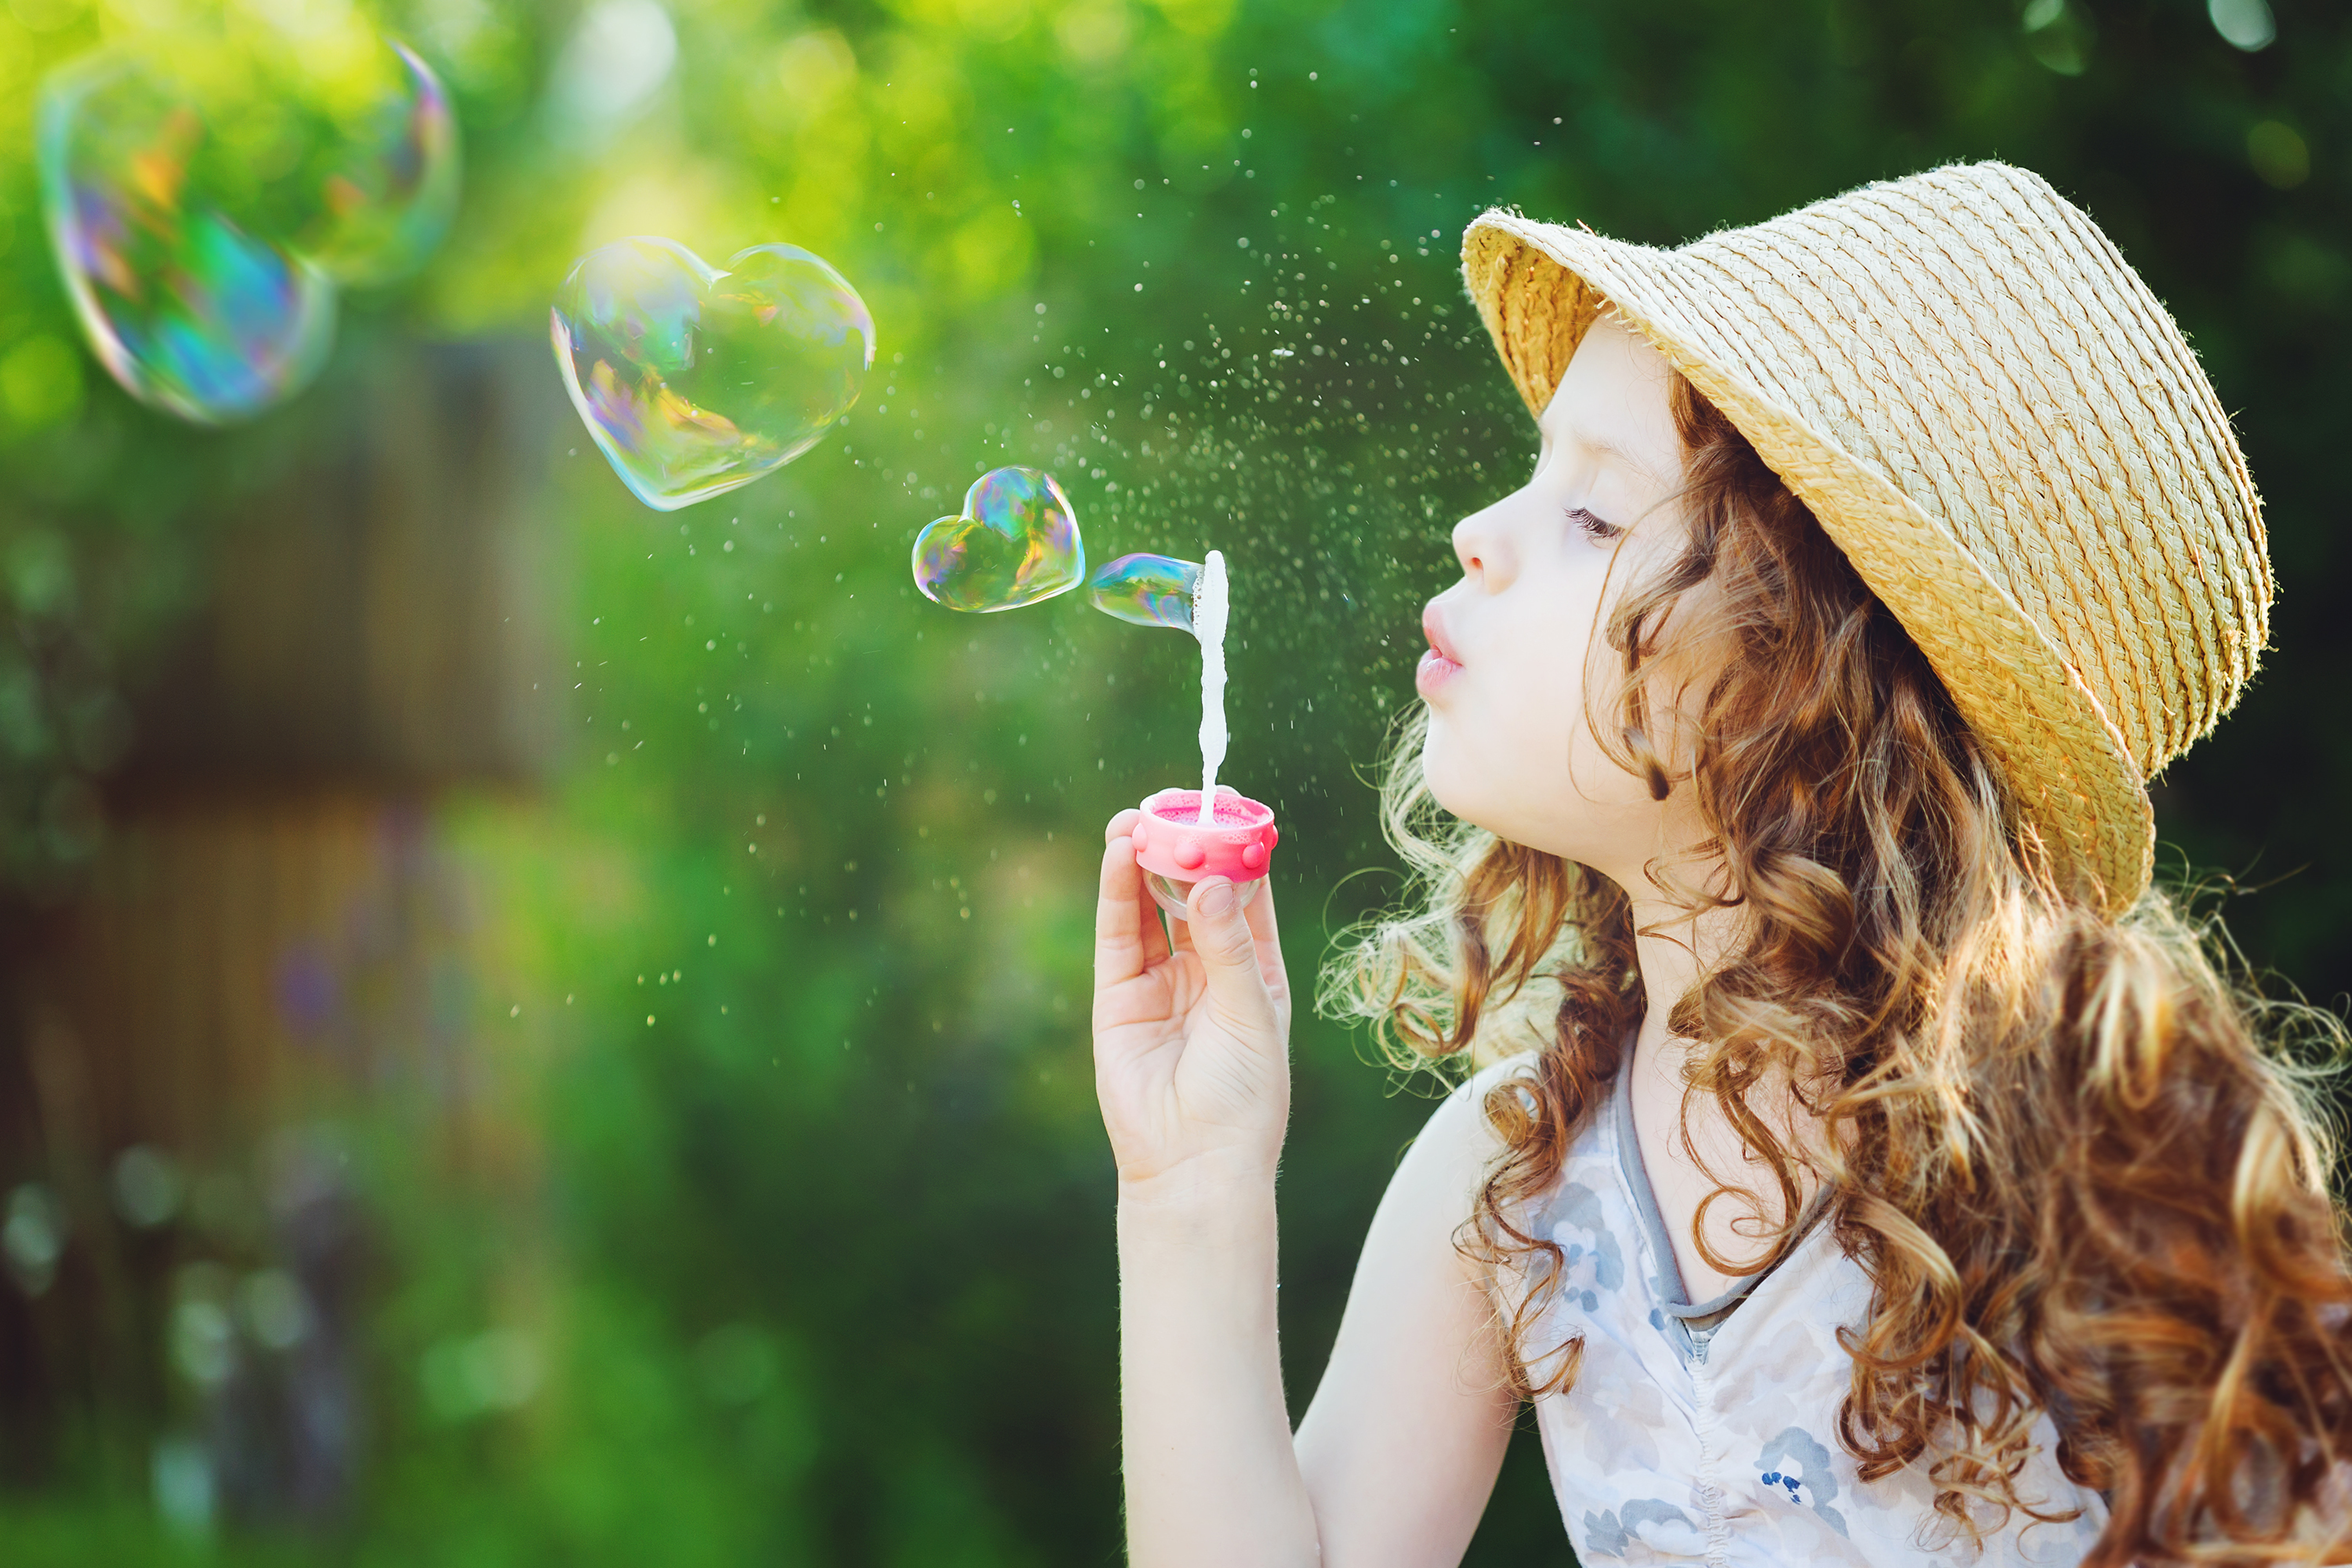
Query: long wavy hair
x=2085 y=1166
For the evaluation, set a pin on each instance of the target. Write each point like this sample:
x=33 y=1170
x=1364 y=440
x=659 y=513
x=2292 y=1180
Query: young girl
x=1864 y=1165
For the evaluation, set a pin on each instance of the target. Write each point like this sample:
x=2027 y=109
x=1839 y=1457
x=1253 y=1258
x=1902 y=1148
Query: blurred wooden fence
x=268 y=931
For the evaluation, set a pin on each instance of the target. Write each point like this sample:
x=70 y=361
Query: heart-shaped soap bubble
x=694 y=380
x=191 y=311
x=1015 y=543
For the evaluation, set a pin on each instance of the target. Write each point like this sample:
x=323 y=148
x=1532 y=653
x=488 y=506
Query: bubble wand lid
x=1175 y=850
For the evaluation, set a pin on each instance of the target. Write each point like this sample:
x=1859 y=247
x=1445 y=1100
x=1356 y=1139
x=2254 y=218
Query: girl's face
x=1509 y=748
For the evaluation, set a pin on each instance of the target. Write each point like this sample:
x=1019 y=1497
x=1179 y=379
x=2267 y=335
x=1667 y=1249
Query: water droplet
x=1147 y=590
x=694 y=380
x=1016 y=543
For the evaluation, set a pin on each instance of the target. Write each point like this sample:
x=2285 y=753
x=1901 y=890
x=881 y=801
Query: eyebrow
x=1603 y=448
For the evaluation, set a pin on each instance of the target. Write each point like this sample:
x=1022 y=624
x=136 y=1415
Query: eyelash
x=1592 y=527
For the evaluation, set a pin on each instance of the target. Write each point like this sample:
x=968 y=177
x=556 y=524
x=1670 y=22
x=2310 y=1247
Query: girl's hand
x=1191 y=1043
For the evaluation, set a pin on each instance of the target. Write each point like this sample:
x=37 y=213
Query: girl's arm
x=1397 y=1457
x=1402 y=1445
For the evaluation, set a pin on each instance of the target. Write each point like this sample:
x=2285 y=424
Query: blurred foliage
x=788 y=1236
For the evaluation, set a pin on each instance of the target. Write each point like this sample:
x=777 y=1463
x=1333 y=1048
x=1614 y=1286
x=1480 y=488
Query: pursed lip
x=1441 y=663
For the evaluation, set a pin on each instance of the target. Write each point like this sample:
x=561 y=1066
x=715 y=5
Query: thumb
x=1228 y=953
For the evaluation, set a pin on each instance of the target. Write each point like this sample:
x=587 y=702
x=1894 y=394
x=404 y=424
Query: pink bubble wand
x=1188 y=835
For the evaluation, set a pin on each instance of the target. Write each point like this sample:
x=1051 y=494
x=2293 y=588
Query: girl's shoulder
x=1459 y=1145
x=1474 y=1089
x=1468 y=1102
x=1461 y=1117
x=1449 y=1159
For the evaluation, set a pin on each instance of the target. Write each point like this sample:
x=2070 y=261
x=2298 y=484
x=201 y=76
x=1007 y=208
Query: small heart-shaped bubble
x=190 y=309
x=1015 y=543
x=693 y=381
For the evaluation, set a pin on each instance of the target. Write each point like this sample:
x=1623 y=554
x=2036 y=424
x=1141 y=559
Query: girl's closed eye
x=1593 y=528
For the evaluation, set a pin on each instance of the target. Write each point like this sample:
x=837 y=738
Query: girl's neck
x=1674 y=950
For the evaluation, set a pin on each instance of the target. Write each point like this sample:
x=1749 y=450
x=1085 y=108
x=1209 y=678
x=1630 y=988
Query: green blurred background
x=534 y=1031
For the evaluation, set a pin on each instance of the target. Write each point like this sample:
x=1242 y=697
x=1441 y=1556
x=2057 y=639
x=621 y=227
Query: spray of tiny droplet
x=1209 y=625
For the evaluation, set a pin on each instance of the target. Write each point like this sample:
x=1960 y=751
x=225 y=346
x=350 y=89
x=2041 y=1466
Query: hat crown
x=2004 y=366
x=2001 y=425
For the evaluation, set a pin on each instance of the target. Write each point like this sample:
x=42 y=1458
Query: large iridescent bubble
x=185 y=307
x=388 y=186
x=204 y=195
x=695 y=381
x=1015 y=543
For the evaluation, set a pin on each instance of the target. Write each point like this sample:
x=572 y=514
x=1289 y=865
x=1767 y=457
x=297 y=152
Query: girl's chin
x=1473 y=788
x=1442 y=769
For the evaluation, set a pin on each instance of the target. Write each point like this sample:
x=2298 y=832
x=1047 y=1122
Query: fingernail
x=1217 y=899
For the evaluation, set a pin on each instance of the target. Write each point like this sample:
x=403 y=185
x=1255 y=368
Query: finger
x=1150 y=933
x=1153 y=930
x=1229 y=957
x=1265 y=933
x=1260 y=914
x=1120 y=944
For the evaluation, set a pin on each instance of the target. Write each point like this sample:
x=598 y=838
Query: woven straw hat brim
x=1782 y=305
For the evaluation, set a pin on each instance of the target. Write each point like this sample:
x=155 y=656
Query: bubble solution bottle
x=1176 y=848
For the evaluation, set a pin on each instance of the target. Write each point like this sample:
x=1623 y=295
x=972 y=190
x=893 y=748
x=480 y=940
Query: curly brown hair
x=2085 y=1169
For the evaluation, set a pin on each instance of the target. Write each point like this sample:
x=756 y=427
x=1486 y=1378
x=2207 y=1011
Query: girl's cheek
x=1534 y=695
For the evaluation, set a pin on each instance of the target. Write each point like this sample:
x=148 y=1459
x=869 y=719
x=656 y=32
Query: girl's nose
x=1482 y=545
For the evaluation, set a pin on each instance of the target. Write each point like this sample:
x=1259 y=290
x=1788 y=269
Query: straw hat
x=2002 y=429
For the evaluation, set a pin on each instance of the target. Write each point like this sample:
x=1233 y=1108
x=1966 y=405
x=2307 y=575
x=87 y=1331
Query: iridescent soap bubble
x=1149 y=590
x=1016 y=543
x=189 y=310
x=695 y=381
x=388 y=184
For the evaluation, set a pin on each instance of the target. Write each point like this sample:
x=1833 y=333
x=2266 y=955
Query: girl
x=1864 y=1167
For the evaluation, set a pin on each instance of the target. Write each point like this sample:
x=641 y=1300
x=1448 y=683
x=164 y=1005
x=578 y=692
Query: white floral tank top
x=1707 y=1433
